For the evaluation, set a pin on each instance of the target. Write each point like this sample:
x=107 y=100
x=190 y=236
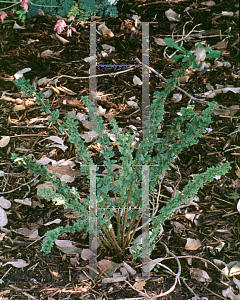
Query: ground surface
x=213 y=219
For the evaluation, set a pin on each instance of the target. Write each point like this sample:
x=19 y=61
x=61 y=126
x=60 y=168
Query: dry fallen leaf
x=19 y=107
x=238 y=206
x=56 y=221
x=108 y=266
x=200 y=55
x=208 y=3
x=17 y=263
x=87 y=254
x=47 y=53
x=59 y=38
x=172 y=16
x=137 y=80
x=192 y=244
x=64 y=172
x=220 y=45
x=4 y=141
x=129 y=268
x=159 y=41
x=3 y=217
x=4 y=203
x=200 y=275
x=106 y=32
x=139 y=284
x=90 y=136
x=67 y=247
x=66 y=90
x=229 y=294
x=30 y=233
x=74 y=103
x=232 y=268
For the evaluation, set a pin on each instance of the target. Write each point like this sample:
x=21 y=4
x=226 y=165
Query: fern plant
x=119 y=194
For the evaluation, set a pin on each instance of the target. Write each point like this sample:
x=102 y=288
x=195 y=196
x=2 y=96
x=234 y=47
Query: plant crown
x=119 y=193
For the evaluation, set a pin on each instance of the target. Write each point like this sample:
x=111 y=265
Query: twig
x=2 y=193
x=203 y=259
x=144 y=294
x=22 y=291
x=88 y=77
x=177 y=278
x=181 y=90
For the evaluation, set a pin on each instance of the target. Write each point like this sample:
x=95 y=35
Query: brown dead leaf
x=4 y=141
x=19 y=107
x=106 y=32
x=74 y=103
x=159 y=41
x=59 y=38
x=66 y=90
x=47 y=53
x=139 y=284
x=192 y=244
x=67 y=247
x=89 y=125
x=65 y=172
x=30 y=233
x=200 y=275
x=220 y=45
x=108 y=266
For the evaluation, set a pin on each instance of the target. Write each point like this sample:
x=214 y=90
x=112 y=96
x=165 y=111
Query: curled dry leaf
x=16 y=26
x=17 y=263
x=108 y=48
x=172 y=16
x=56 y=221
x=89 y=58
x=43 y=81
x=59 y=38
x=74 y=103
x=106 y=32
x=64 y=172
x=90 y=136
x=232 y=268
x=220 y=45
x=47 y=53
x=4 y=141
x=89 y=125
x=66 y=90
